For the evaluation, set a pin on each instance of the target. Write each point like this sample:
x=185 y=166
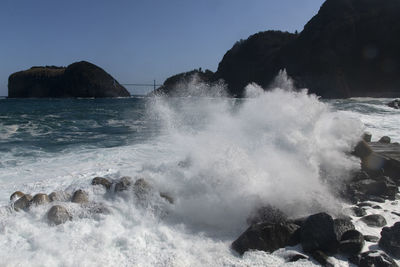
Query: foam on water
x=218 y=158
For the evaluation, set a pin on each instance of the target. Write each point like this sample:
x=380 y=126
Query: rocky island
x=349 y=49
x=80 y=79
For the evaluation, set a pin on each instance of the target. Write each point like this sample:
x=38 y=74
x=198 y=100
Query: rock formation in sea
x=80 y=79
x=350 y=48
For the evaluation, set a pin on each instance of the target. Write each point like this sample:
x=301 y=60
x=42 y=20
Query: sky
x=137 y=41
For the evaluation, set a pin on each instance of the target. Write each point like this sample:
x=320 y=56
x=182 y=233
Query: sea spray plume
x=278 y=148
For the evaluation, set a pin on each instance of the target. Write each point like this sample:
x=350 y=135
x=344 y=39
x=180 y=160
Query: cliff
x=80 y=79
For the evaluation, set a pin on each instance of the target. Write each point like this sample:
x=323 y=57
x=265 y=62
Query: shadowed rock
x=371 y=238
x=60 y=196
x=373 y=258
x=374 y=220
x=394 y=104
x=351 y=242
x=390 y=239
x=58 y=215
x=23 y=202
x=102 y=181
x=40 y=199
x=385 y=140
x=322 y=258
x=16 y=195
x=80 y=197
x=123 y=184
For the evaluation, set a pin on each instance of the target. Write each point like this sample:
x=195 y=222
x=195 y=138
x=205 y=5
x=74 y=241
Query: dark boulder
x=60 y=196
x=394 y=104
x=58 y=215
x=40 y=199
x=23 y=203
x=123 y=184
x=80 y=79
x=351 y=242
x=80 y=197
x=371 y=238
x=267 y=237
x=373 y=258
x=268 y=214
x=374 y=220
x=321 y=232
x=357 y=211
x=102 y=181
x=294 y=256
x=385 y=140
x=367 y=137
x=322 y=258
x=390 y=239
x=16 y=195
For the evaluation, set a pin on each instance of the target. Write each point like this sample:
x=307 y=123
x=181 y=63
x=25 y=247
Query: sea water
x=219 y=159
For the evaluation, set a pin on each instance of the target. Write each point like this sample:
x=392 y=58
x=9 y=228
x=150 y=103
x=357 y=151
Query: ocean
x=218 y=158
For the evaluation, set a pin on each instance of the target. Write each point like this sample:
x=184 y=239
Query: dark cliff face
x=80 y=79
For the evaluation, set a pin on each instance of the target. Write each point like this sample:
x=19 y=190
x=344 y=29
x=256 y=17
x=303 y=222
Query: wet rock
x=123 y=184
x=80 y=197
x=371 y=238
x=142 y=188
x=374 y=189
x=58 y=215
x=266 y=214
x=362 y=150
x=373 y=258
x=377 y=207
x=367 y=137
x=390 y=239
x=40 y=199
x=385 y=140
x=293 y=256
x=394 y=104
x=322 y=258
x=102 y=181
x=60 y=196
x=16 y=195
x=267 y=237
x=351 y=242
x=167 y=197
x=360 y=176
x=376 y=199
x=357 y=211
x=374 y=220
x=23 y=202
x=321 y=232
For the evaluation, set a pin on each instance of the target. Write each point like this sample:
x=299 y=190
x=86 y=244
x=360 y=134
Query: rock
x=362 y=150
x=322 y=258
x=371 y=238
x=360 y=176
x=374 y=189
x=80 y=197
x=267 y=214
x=102 y=181
x=16 y=195
x=396 y=213
x=365 y=204
x=58 y=215
x=293 y=256
x=167 y=197
x=374 y=220
x=390 y=240
x=321 y=232
x=60 y=196
x=40 y=199
x=142 y=188
x=123 y=184
x=385 y=140
x=267 y=237
x=376 y=199
x=23 y=202
x=377 y=207
x=367 y=137
x=394 y=104
x=357 y=211
x=351 y=242
x=80 y=79
x=373 y=258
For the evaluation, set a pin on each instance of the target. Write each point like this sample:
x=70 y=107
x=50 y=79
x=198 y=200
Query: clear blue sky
x=136 y=41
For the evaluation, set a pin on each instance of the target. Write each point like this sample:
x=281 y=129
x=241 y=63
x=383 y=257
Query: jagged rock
x=321 y=232
x=142 y=188
x=374 y=220
x=357 y=211
x=102 y=181
x=267 y=214
x=16 y=195
x=390 y=239
x=367 y=137
x=60 y=196
x=374 y=189
x=23 y=202
x=40 y=199
x=123 y=184
x=322 y=258
x=58 y=215
x=385 y=140
x=365 y=204
x=360 y=176
x=373 y=258
x=80 y=79
x=267 y=237
x=394 y=104
x=371 y=238
x=167 y=197
x=80 y=197
x=351 y=242
x=377 y=207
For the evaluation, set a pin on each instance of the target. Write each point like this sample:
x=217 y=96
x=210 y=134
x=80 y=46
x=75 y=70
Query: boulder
x=373 y=258
x=268 y=214
x=58 y=215
x=16 y=195
x=141 y=188
x=390 y=240
x=394 y=104
x=80 y=197
x=322 y=258
x=371 y=238
x=293 y=256
x=357 y=211
x=374 y=220
x=123 y=184
x=40 y=199
x=80 y=79
x=266 y=237
x=367 y=137
x=60 y=196
x=351 y=242
x=23 y=203
x=381 y=186
x=385 y=140
x=321 y=232
x=102 y=181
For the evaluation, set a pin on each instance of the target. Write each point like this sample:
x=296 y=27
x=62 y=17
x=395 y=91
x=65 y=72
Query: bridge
x=141 y=88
